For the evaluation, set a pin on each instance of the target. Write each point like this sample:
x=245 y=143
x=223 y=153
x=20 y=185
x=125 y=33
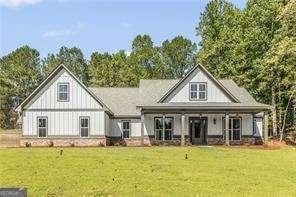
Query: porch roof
x=207 y=106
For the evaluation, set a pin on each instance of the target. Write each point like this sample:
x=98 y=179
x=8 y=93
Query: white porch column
x=142 y=128
x=227 y=129
x=265 y=127
x=182 y=129
x=163 y=126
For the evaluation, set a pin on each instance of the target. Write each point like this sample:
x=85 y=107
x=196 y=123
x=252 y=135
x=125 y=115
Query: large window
x=234 y=128
x=198 y=91
x=63 y=92
x=84 y=126
x=126 y=129
x=42 y=126
x=163 y=128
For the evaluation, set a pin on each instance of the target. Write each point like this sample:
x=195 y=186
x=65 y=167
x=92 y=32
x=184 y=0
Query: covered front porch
x=197 y=125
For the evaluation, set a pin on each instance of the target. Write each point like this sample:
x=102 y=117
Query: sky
x=95 y=25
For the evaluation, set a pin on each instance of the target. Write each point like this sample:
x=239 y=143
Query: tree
x=220 y=32
x=279 y=67
x=20 y=74
x=100 y=70
x=72 y=58
x=179 y=55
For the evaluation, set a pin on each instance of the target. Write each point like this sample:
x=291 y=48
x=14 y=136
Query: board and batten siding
x=63 y=123
x=79 y=97
x=116 y=127
x=214 y=93
x=64 y=117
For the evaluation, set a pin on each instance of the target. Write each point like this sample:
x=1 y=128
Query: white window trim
x=68 y=92
x=231 y=129
x=88 y=132
x=198 y=91
x=46 y=126
x=129 y=130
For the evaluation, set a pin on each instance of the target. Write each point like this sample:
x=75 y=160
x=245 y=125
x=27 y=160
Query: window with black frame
x=126 y=129
x=42 y=126
x=234 y=128
x=84 y=126
x=163 y=128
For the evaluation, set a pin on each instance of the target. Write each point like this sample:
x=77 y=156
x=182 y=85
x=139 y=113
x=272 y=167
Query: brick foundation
x=62 y=142
x=148 y=141
x=244 y=141
x=134 y=141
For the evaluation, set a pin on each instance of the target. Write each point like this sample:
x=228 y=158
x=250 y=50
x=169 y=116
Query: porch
x=191 y=125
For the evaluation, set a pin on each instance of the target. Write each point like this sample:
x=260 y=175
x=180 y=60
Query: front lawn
x=150 y=171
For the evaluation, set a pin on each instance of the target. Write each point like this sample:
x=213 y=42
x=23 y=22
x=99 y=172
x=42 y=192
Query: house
x=197 y=109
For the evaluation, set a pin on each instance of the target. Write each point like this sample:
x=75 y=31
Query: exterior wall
x=63 y=123
x=258 y=127
x=79 y=97
x=63 y=117
x=214 y=93
x=116 y=127
x=213 y=129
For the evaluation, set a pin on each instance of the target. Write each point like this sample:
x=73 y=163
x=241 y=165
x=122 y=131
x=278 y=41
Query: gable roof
x=49 y=78
x=219 y=85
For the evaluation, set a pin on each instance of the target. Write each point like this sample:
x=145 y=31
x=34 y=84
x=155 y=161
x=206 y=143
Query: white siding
x=79 y=97
x=63 y=117
x=214 y=93
x=64 y=123
x=258 y=127
x=116 y=127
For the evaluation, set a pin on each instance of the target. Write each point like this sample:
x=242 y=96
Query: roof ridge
x=156 y=79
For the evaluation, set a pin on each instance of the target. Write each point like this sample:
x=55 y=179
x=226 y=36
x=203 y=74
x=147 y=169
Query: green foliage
x=152 y=171
x=70 y=57
x=179 y=55
x=255 y=46
x=19 y=75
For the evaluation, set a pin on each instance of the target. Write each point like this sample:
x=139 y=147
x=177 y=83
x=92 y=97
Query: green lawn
x=151 y=171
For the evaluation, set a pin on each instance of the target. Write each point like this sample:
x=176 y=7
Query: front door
x=198 y=130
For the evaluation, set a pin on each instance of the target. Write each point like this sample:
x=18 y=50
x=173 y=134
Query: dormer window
x=63 y=92
x=198 y=91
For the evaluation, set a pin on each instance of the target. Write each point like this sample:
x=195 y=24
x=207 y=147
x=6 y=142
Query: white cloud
x=18 y=3
x=125 y=24
x=64 y=32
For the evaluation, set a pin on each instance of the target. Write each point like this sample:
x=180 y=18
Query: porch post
x=182 y=129
x=265 y=127
x=142 y=128
x=163 y=126
x=227 y=129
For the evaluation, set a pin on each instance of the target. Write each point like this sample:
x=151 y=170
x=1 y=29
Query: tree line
x=255 y=46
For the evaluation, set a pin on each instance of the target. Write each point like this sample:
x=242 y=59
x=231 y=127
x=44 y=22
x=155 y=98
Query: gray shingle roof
x=124 y=101
x=121 y=101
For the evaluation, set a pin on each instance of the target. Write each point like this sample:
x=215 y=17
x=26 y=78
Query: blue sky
x=95 y=25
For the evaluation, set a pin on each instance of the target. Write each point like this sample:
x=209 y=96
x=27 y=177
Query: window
x=126 y=129
x=63 y=92
x=84 y=126
x=198 y=91
x=42 y=126
x=163 y=128
x=234 y=128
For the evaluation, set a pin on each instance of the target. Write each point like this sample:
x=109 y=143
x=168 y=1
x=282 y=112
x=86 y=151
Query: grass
x=151 y=171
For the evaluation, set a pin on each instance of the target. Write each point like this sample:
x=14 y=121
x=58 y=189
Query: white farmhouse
x=197 y=109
